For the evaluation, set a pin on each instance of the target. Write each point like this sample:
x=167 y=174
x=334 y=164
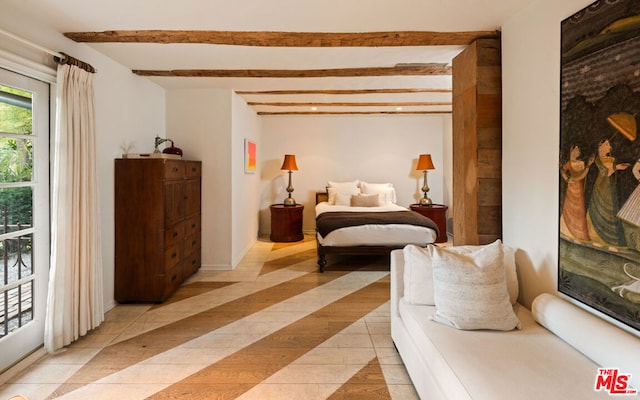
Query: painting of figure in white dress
x=599 y=167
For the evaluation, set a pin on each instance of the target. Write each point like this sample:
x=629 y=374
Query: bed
x=361 y=218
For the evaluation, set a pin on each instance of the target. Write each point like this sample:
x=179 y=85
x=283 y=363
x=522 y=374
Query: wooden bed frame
x=346 y=250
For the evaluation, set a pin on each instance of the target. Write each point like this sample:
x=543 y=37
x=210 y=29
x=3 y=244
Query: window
x=16 y=209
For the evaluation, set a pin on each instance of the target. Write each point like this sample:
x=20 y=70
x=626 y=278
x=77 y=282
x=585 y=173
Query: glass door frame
x=20 y=343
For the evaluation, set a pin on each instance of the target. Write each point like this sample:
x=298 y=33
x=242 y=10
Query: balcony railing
x=16 y=277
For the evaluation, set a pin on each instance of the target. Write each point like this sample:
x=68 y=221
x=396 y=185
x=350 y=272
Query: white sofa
x=529 y=363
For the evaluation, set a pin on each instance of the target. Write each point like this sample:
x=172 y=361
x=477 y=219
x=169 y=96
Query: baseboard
x=18 y=367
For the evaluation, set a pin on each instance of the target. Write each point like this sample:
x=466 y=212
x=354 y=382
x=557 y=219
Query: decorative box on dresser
x=157 y=226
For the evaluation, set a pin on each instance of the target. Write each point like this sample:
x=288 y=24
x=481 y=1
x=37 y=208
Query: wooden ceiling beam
x=342 y=91
x=352 y=112
x=284 y=39
x=354 y=104
x=300 y=73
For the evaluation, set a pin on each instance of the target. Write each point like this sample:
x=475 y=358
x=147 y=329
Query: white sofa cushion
x=418 y=272
x=526 y=364
x=470 y=290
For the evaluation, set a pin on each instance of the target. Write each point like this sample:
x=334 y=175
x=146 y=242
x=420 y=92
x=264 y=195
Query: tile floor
x=273 y=328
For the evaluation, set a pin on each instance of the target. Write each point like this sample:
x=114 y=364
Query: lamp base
x=425 y=201
x=289 y=201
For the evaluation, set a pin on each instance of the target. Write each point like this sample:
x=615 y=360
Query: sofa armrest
x=397 y=280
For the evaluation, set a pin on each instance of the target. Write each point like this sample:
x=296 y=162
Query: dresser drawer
x=192 y=225
x=172 y=255
x=191 y=244
x=174 y=169
x=173 y=234
x=191 y=264
x=172 y=279
x=193 y=169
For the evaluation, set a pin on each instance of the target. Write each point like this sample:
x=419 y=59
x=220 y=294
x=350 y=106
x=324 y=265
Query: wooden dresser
x=157 y=226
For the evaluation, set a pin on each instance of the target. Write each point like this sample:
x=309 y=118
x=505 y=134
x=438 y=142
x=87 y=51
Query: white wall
x=199 y=120
x=246 y=187
x=129 y=110
x=531 y=90
x=341 y=148
x=210 y=125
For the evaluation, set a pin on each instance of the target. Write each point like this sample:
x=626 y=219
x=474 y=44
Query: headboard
x=322 y=196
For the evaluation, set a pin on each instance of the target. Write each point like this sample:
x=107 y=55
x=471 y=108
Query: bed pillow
x=418 y=272
x=348 y=192
x=386 y=191
x=342 y=199
x=365 y=200
x=346 y=188
x=470 y=290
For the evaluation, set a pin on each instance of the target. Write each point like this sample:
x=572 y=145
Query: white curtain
x=74 y=302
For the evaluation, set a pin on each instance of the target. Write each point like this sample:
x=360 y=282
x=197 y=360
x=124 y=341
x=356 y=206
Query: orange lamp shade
x=425 y=162
x=289 y=163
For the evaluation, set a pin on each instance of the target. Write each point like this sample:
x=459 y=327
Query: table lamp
x=289 y=164
x=425 y=163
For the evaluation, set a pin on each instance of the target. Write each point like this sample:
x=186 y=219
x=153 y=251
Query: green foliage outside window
x=16 y=160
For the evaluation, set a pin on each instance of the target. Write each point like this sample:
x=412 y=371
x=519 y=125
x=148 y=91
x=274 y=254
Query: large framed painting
x=599 y=170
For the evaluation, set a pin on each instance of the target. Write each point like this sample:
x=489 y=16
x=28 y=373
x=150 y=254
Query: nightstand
x=286 y=223
x=437 y=213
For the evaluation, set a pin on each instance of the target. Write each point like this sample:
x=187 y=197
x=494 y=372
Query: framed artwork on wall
x=599 y=169
x=249 y=157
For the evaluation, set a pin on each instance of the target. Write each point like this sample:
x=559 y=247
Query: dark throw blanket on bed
x=327 y=222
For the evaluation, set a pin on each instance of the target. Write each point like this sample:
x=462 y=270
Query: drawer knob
x=174 y=255
x=175 y=234
x=193 y=243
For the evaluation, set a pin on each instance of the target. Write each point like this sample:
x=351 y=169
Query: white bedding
x=374 y=235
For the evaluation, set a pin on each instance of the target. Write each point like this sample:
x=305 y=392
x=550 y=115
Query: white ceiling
x=284 y=16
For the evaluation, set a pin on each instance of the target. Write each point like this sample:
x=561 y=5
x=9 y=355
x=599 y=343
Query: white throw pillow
x=418 y=275
x=418 y=272
x=386 y=190
x=470 y=290
x=509 y=266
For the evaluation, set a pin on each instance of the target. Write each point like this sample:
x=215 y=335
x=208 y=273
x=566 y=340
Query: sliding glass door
x=24 y=214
